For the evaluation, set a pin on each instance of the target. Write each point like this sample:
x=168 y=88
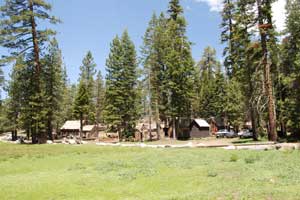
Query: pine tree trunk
x=33 y=135
x=14 y=135
x=119 y=134
x=158 y=130
x=81 y=126
x=49 y=127
x=252 y=109
x=174 y=128
x=150 y=128
x=39 y=136
x=253 y=122
x=27 y=133
x=267 y=76
x=35 y=41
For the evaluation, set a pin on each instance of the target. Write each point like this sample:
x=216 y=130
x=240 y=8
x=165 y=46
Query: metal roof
x=202 y=122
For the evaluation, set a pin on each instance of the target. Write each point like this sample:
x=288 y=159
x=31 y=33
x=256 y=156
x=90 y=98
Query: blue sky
x=92 y=24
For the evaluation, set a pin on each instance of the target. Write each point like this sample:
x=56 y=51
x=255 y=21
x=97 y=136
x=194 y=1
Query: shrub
x=233 y=158
x=251 y=159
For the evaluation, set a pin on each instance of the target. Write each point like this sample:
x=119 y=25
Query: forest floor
x=93 y=172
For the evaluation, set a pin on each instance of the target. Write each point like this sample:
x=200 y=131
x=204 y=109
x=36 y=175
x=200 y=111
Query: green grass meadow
x=55 y=172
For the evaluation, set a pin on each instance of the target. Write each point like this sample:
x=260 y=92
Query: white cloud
x=215 y=5
x=278 y=10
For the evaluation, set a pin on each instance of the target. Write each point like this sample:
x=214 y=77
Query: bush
x=234 y=158
x=251 y=160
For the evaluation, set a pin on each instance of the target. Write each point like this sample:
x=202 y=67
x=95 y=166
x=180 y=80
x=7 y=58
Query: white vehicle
x=245 y=134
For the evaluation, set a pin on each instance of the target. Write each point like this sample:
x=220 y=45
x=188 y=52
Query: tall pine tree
x=179 y=66
x=53 y=78
x=19 y=34
x=87 y=74
x=120 y=107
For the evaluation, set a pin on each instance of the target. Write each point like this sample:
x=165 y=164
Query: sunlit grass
x=91 y=172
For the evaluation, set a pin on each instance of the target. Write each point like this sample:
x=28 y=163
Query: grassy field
x=91 y=172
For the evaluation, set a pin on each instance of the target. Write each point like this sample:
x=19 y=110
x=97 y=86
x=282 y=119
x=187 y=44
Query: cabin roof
x=88 y=128
x=71 y=125
x=75 y=125
x=201 y=123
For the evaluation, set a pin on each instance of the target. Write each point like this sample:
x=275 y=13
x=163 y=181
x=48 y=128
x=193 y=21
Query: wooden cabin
x=90 y=132
x=72 y=128
x=199 y=128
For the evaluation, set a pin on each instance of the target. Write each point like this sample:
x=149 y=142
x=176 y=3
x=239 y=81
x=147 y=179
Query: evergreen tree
x=153 y=60
x=100 y=98
x=246 y=61
x=120 y=107
x=1 y=82
x=227 y=26
x=211 y=86
x=113 y=94
x=242 y=56
x=289 y=91
x=234 y=106
x=267 y=42
x=175 y=9
x=5 y=122
x=87 y=74
x=14 y=102
x=53 y=78
x=69 y=96
x=179 y=66
x=129 y=84
x=81 y=104
x=20 y=34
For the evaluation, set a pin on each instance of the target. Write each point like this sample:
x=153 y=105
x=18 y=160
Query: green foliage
x=87 y=76
x=69 y=95
x=54 y=86
x=22 y=36
x=2 y=79
x=16 y=26
x=81 y=103
x=154 y=59
x=252 y=159
x=5 y=122
x=234 y=158
x=121 y=82
x=289 y=77
x=179 y=64
x=100 y=97
x=234 y=106
x=243 y=60
x=211 y=86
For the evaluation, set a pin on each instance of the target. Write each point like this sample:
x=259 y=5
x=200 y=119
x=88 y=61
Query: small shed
x=199 y=128
x=90 y=131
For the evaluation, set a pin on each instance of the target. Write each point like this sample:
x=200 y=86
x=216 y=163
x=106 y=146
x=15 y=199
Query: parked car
x=245 y=134
x=225 y=133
